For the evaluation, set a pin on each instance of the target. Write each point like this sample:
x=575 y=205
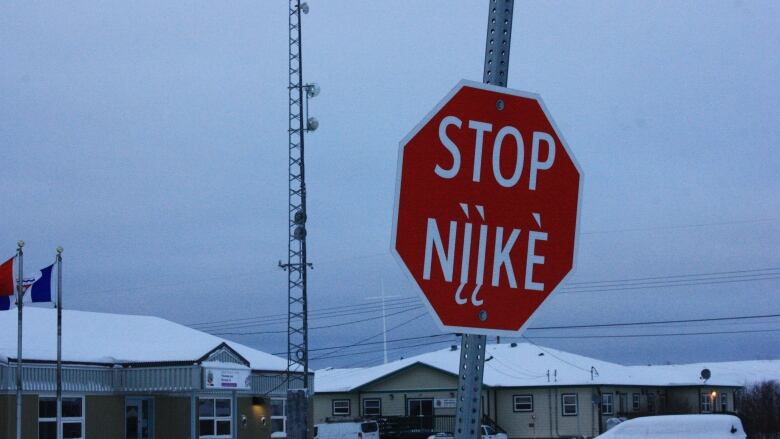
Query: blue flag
x=41 y=288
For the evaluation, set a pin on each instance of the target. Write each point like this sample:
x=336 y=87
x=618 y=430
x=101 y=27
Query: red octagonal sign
x=486 y=208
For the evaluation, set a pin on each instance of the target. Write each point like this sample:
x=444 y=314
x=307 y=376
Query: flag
x=37 y=289
x=41 y=286
x=7 y=286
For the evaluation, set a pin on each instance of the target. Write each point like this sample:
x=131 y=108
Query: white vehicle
x=678 y=426
x=351 y=429
x=488 y=432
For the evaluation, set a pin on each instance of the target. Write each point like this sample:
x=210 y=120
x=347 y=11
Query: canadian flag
x=7 y=287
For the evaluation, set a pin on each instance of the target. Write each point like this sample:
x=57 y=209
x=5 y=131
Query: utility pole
x=298 y=391
x=468 y=417
x=384 y=315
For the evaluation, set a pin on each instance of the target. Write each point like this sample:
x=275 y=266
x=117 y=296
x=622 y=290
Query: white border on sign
x=405 y=141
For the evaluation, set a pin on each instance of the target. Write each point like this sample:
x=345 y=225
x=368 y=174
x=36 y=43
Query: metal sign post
x=472 y=347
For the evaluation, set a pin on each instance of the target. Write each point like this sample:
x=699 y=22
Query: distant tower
x=298 y=124
x=298 y=391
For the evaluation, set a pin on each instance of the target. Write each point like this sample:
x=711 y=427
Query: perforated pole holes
x=472 y=354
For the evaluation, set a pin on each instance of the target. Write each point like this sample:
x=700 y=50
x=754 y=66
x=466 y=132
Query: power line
x=662 y=285
x=351 y=322
x=547 y=351
x=675 y=280
x=655 y=322
x=380 y=333
x=670 y=276
x=668 y=334
x=376 y=342
x=535 y=328
x=319 y=316
x=326 y=357
x=362 y=343
x=283 y=315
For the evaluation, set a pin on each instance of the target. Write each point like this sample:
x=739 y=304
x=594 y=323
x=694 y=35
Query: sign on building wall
x=218 y=378
x=444 y=403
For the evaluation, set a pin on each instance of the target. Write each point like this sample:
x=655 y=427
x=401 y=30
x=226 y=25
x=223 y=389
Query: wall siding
x=171 y=417
x=254 y=427
x=323 y=405
x=414 y=378
x=105 y=417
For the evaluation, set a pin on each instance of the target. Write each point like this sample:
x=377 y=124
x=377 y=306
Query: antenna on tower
x=299 y=123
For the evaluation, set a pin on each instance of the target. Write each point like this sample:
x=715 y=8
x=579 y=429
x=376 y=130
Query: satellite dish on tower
x=705 y=374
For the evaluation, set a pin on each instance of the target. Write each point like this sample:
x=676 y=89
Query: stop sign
x=487 y=200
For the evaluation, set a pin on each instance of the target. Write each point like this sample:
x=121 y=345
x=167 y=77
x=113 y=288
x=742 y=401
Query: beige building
x=530 y=391
x=137 y=377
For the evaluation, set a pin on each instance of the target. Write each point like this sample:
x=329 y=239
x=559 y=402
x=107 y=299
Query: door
x=139 y=418
x=421 y=413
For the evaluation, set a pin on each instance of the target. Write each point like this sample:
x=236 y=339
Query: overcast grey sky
x=149 y=139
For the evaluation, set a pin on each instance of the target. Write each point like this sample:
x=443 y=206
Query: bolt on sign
x=486 y=208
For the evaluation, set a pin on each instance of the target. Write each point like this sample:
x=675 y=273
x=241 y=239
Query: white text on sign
x=480 y=129
x=502 y=249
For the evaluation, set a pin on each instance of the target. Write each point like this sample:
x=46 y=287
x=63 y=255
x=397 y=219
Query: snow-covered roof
x=527 y=365
x=93 y=337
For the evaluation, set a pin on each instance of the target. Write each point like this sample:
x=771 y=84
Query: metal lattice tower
x=297 y=313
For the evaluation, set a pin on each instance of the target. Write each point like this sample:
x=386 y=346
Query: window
x=215 y=417
x=706 y=403
x=341 y=407
x=607 y=403
x=724 y=402
x=372 y=407
x=278 y=417
x=569 y=404
x=635 y=402
x=523 y=403
x=72 y=417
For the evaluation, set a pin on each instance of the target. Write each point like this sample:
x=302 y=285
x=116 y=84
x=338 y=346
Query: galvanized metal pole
x=19 y=304
x=472 y=347
x=59 y=342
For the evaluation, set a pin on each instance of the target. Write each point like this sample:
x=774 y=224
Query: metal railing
x=107 y=379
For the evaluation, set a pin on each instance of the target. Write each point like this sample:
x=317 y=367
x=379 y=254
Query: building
x=137 y=377
x=530 y=391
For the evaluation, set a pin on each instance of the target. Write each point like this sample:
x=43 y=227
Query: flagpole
x=19 y=300
x=59 y=342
